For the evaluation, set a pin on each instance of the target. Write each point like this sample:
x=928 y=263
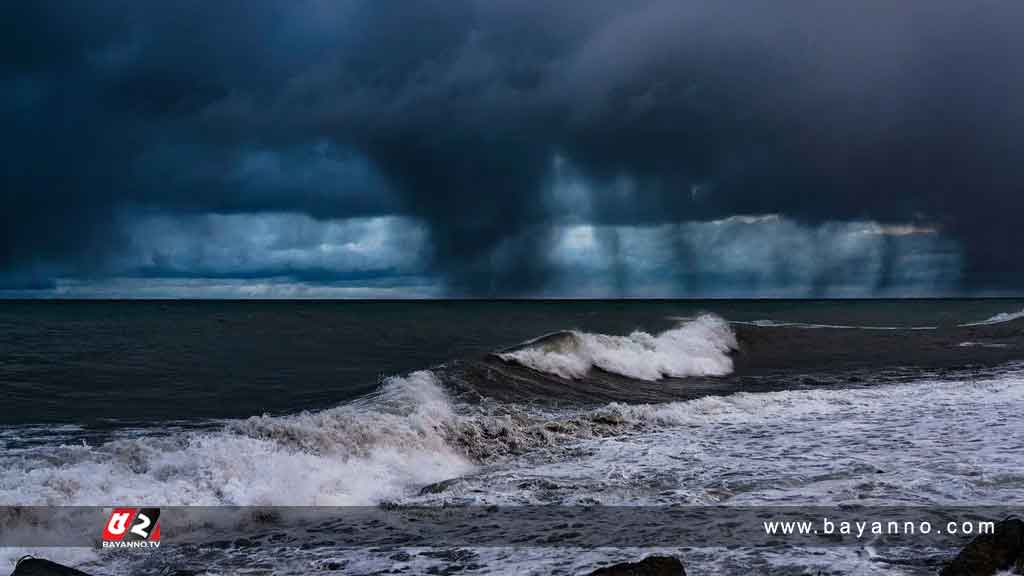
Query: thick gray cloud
x=462 y=115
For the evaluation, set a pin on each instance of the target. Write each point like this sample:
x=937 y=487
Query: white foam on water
x=698 y=347
x=1001 y=318
x=919 y=443
x=359 y=453
x=926 y=442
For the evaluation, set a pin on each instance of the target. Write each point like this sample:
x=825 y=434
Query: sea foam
x=697 y=347
x=360 y=453
x=924 y=442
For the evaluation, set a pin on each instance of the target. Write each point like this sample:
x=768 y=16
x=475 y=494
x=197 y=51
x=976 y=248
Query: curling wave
x=358 y=453
x=697 y=347
x=380 y=448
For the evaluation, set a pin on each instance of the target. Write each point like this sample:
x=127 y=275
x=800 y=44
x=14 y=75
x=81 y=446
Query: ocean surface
x=563 y=403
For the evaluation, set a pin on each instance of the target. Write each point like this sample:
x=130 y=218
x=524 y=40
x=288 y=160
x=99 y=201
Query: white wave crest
x=359 y=453
x=1000 y=318
x=698 y=347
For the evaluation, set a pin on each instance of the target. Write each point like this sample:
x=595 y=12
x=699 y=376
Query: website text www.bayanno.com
x=864 y=528
x=557 y=526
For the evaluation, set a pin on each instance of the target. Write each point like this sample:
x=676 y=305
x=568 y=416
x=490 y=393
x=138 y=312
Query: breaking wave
x=415 y=431
x=745 y=448
x=359 y=453
x=1000 y=318
x=381 y=448
x=698 y=347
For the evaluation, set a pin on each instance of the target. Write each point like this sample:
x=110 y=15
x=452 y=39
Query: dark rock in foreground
x=650 y=566
x=29 y=566
x=991 y=553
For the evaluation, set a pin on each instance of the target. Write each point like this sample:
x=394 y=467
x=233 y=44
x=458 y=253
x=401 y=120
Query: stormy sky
x=421 y=148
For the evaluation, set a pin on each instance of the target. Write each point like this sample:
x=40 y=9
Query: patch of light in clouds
x=233 y=288
x=285 y=255
x=273 y=244
x=758 y=256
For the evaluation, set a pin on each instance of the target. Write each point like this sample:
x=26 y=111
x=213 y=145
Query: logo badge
x=132 y=528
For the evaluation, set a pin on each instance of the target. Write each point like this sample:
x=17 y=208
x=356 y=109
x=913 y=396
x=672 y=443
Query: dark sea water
x=152 y=361
x=507 y=403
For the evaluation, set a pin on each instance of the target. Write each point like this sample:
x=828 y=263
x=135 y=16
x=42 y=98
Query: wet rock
x=650 y=566
x=991 y=553
x=29 y=566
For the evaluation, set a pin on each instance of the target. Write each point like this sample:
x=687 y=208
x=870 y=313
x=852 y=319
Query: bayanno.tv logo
x=132 y=528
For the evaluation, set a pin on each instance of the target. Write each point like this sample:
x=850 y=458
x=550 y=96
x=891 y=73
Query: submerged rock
x=29 y=566
x=650 y=566
x=991 y=553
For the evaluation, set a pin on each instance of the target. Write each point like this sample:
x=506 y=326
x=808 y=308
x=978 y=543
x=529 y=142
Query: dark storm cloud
x=453 y=113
